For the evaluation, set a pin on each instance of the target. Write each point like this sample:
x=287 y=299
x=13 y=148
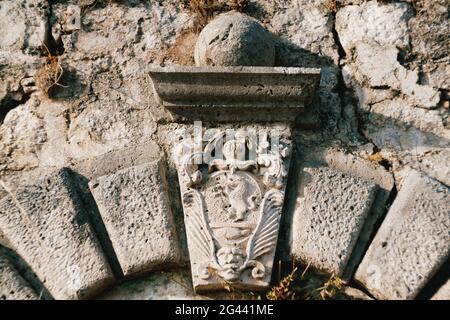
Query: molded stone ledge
x=235 y=93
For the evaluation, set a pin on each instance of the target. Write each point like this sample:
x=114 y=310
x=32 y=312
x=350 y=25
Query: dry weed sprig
x=331 y=288
x=283 y=290
x=49 y=74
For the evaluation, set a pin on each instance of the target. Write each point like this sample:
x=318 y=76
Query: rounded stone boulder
x=234 y=39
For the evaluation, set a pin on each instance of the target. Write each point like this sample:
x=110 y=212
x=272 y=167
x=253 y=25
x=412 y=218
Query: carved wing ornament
x=232 y=205
x=197 y=225
x=264 y=238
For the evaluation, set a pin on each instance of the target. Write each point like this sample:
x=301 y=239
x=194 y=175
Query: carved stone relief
x=232 y=193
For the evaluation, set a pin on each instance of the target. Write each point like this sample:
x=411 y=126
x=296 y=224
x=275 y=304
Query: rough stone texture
x=412 y=243
x=24 y=28
x=72 y=21
x=397 y=113
x=115 y=160
x=430 y=42
x=234 y=39
x=387 y=24
x=104 y=106
x=3 y=240
x=107 y=164
x=443 y=293
x=171 y=285
x=108 y=103
x=236 y=93
x=25 y=22
x=135 y=208
x=305 y=30
x=52 y=234
x=306 y=24
x=355 y=166
x=12 y=285
x=396 y=58
x=16 y=81
x=26 y=273
x=368 y=71
x=330 y=213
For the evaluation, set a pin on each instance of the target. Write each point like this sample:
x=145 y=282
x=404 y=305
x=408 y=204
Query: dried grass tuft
x=332 y=288
x=283 y=290
x=48 y=76
x=331 y=5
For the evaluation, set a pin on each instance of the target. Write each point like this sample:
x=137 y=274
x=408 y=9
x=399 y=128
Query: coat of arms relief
x=232 y=193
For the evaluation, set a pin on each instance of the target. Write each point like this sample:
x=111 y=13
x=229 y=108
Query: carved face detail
x=230 y=259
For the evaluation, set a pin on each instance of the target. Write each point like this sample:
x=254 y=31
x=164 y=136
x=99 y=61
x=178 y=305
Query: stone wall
x=381 y=124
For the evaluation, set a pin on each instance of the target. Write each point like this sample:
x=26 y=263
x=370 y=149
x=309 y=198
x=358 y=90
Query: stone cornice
x=235 y=93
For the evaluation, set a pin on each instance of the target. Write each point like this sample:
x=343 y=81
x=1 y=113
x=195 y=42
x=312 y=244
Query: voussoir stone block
x=330 y=213
x=45 y=224
x=412 y=243
x=12 y=285
x=135 y=209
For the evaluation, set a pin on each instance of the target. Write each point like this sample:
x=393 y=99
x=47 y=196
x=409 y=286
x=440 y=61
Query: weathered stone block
x=364 y=169
x=135 y=208
x=330 y=213
x=12 y=285
x=235 y=93
x=107 y=164
x=412 y=243
x=45 y=224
